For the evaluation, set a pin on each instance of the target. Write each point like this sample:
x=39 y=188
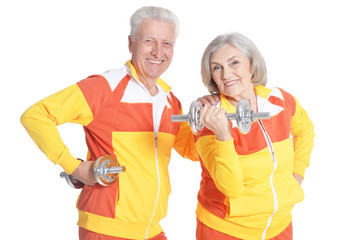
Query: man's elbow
x=24 y=118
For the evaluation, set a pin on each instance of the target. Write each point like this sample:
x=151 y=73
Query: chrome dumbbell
x=244 y=116
x=106 y=169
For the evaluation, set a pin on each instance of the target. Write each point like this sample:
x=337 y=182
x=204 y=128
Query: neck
x=150 y=84
x=250 y=96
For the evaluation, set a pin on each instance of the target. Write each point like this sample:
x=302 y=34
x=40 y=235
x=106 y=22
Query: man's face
x=152 y=50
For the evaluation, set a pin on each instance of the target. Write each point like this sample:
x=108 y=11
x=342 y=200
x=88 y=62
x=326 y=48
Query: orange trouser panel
x=206 y=233
x=85 y=234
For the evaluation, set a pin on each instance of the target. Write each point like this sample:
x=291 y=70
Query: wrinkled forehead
x=157 y=29
x=226 y=53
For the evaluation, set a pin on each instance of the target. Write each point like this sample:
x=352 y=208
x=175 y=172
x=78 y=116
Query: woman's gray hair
x=248 y=49
x=151 y=12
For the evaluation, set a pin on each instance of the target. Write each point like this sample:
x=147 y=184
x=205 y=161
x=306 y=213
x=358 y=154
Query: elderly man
x=125 y=113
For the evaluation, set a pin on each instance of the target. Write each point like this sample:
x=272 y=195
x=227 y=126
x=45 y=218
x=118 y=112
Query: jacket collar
x=262 y=95
x=159 y=81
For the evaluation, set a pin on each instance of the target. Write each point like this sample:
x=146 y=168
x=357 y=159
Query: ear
x=252 y=71
x=130 y=44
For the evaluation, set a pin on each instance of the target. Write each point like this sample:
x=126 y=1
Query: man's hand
x=209 y=99
x=84 y=173
x=299 y=178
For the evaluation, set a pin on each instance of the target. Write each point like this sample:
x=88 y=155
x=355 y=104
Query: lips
x=155 y=61
x=230 y=83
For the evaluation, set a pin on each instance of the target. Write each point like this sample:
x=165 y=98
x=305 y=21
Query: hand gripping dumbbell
x=244 y=116
x=105 y=170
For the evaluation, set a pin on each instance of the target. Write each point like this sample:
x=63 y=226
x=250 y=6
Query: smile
x=230 y=83
x=155 y=61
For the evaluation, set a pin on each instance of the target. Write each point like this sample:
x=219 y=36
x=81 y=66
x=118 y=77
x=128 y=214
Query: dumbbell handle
x=230 y=116
x=63 y=174
x=254 y=115
x=112 y=170
x=179 y=118
x=72 y=181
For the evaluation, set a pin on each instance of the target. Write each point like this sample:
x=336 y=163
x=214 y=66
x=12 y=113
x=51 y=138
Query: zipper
x=156 y=128
x=156 y=203
x=275 y=200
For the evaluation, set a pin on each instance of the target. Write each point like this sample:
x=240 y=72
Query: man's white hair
x=151 y=12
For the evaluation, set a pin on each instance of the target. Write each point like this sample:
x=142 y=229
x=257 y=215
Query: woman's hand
x=214 y=118
x=84 y=173
x=299 y=178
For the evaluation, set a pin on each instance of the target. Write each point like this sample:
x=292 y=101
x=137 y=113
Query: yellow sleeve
x=221 y=161
x=41 y=120
x=302 y=131
x=184 y=142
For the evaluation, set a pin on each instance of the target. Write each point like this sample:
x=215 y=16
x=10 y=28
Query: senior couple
x=250 y=182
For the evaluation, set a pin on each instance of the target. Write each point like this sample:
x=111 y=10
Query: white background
x=312 y=50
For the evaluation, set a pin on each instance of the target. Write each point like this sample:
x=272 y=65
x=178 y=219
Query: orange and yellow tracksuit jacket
x=247 y=188
x=122 y=119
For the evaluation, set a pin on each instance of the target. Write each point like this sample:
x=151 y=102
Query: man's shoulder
x=103 y=83
x=114 y=76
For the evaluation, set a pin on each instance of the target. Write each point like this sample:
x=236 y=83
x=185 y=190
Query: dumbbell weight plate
x=100 y=170
x=194 y=116
x=72 y=181
x=244 y=116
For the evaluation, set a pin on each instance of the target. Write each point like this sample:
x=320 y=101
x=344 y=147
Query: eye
x=167 y=44
x=148 y=42
x=215 y=68
x=235 y=62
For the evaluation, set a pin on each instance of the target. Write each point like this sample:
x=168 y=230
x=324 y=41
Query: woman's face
x=231 y=71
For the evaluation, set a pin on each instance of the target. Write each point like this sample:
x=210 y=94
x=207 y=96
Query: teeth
x=230 y=83
x=153 y=61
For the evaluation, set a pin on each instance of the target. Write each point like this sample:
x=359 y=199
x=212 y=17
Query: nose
x=156 y=50
x=226 y=73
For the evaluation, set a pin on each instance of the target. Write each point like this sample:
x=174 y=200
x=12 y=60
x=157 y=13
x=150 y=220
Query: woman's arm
x=216 y=148
x=303 y=134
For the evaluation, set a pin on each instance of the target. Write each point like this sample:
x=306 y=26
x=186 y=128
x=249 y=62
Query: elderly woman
x=250 y=182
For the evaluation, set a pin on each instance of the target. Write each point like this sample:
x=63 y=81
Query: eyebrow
x=229 y=59
x=168 y=40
